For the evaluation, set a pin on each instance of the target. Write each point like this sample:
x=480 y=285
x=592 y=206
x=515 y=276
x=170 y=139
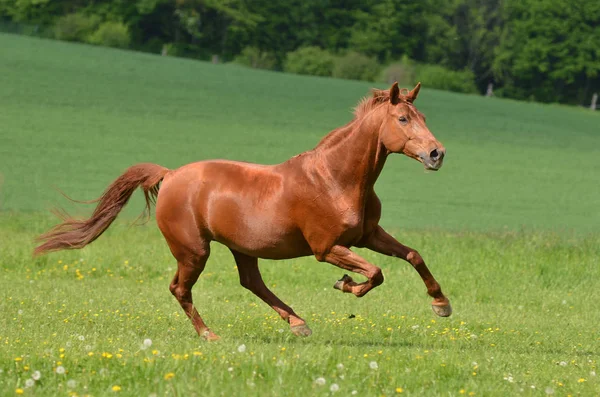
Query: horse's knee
x=172 y=288
x=377 y=277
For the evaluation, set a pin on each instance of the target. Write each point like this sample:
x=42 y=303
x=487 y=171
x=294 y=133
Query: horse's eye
x=402 y=120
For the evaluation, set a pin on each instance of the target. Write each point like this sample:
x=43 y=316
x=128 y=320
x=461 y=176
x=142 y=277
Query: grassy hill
x=75 y=117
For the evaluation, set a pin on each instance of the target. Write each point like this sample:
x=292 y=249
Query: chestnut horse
x=319 y=203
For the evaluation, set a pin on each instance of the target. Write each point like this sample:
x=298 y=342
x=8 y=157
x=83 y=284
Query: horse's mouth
x=431 y=165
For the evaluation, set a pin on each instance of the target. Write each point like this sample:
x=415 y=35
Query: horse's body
x=319 y=203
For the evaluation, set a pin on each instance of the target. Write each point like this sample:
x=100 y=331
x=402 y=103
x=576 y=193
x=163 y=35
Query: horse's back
x=242 y=205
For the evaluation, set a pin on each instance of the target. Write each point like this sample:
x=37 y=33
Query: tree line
x=540 y=50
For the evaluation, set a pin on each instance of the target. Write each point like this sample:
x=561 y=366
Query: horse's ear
x=395 y=94
x=412 y=95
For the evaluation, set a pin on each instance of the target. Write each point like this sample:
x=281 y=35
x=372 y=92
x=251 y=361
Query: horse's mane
x=377 y=98
x=366 y=104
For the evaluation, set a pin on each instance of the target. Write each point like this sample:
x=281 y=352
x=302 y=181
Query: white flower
x=354 y=392
x=147 y=343
x=593 y=373
x=562 y=363
x=29 y=383
x=60 y=370
x=20 y=312
x=152 y=395
x=280 y=330
x=415 y=326
x=508 y=378
x=69 y=344
x=474 y=363
x=71 y=383
x=340 y=367
x=36 y=375
x=320 y=381
x=373 y=365
x=564 y=302
x=342 y=377
x=549 y=390
x=230 y=369
x=533 y=386
x=88 y=348
x=473 y=336
x=242 y=348
x=81 y=338
x=334 y=388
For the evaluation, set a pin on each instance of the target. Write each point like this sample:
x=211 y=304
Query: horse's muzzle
x=434 y=159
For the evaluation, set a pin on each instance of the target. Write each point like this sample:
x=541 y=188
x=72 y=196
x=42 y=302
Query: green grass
x=509 y=226
x=523 y=304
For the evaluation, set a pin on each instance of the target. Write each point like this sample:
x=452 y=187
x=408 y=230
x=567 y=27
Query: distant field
x=510 y=227
x=75 y=117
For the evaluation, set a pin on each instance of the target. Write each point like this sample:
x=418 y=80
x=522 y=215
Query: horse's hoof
x=210 y=336
x=340 y=283
x=442 y=310
x=301 y=330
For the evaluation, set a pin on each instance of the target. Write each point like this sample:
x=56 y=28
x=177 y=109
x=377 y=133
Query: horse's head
x=404 y=130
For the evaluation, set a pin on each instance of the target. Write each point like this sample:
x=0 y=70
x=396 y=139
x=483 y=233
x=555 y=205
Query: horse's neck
x=354 y=156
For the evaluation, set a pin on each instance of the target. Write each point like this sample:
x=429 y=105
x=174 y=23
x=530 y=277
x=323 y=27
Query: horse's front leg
x=342 y=257
x=380 y=241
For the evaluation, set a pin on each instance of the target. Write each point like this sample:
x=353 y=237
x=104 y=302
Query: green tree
x=550 y=50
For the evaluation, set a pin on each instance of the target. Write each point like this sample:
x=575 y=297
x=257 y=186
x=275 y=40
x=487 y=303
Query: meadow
x=510 y=227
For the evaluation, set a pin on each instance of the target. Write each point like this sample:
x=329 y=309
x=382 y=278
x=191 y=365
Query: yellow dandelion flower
x=169 y=376
x=26 y=368
x=155 y=352
x=471 y=393
x=116 y=388
x=18 y=359
x=399 y=390
x=462 y=391
x=197 y=353
x=581 y=380
x=283 y=349
x=90 y=354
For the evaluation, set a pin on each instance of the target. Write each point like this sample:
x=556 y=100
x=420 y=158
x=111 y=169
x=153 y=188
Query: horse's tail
x=74 y=234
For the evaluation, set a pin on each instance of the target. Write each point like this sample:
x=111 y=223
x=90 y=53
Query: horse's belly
x=257 y=231
x=268 y=246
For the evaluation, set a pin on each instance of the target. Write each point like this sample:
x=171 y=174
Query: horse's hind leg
x=251 y=279
x=190 y=263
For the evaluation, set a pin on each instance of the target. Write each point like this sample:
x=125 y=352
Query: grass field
x=512 y=232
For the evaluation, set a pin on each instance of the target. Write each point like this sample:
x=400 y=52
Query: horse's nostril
x=434 y=154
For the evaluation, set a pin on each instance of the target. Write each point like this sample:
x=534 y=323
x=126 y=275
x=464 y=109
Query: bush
x=402 y=71
x=74 y=27
x=434 y=76
x=254 y=58
x=310 y=60
x=356 y=66
x=111 y=34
